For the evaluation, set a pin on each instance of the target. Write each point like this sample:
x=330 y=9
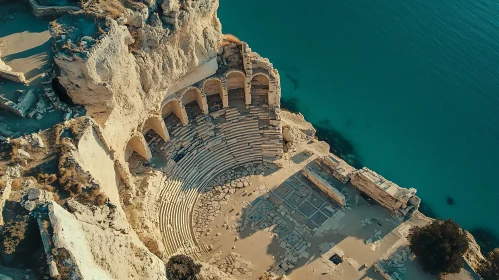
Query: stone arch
x=137 y=143
x=192 y=94
x=215 y=86
x=237 y=80
x=157 y=124
x=175 y=107
x=260 y=87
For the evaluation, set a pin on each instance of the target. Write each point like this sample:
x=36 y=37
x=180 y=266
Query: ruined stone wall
x=41 y=11
x=383 y=191
x=336 y=166
x=331 y=191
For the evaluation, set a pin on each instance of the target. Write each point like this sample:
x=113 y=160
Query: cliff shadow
x=339 y=144
x=290 y=104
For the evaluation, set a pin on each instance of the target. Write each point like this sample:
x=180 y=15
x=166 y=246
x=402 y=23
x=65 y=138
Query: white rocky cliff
x=124 y=73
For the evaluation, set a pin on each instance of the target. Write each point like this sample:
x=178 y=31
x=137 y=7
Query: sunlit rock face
x=121 y=69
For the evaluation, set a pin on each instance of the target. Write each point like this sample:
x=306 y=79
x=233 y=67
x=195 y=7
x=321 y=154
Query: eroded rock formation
x=123 y=71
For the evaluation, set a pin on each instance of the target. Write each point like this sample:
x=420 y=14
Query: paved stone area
x=278 y=221
x=292 y=212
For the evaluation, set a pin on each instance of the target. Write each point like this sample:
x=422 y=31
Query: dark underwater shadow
x=339 y=145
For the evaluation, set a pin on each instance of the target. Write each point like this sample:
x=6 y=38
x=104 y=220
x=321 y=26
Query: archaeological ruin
x=147 y=133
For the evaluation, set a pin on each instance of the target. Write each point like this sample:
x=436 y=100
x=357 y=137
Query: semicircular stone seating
x=209 y=145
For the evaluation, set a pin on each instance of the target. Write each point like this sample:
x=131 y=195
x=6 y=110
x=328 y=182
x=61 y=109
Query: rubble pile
x=210 y=202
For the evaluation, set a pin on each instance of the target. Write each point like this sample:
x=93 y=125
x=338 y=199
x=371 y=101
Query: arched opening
x=235 y=84
x=172 y=113
x=138 y=145
x=156 y=124
x=213 y=89
x=260 y=89
x=190 y=98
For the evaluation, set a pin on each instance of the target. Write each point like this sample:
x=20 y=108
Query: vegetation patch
x=13 y=233
x=62 y=260
x=439 y=246
x=44 y=178
x=17 y=184
x=182 y=267
x=489 y=268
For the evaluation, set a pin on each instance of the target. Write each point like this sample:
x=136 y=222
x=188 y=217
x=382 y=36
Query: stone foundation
x=390 y=195
x=42 y=11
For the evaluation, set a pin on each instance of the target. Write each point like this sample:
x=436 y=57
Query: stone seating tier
x=210 y=145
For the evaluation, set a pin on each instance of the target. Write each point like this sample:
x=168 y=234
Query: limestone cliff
x=123 y=70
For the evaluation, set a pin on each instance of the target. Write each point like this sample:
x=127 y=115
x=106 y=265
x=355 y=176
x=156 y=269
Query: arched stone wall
x=215 y=86
x=260 y=86
x=237 y=80
x=157 y=124
x=194 y=94
x=137 y=143
x=175 y=107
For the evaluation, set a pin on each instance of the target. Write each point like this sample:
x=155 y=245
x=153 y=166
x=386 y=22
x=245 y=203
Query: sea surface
x=412 y=85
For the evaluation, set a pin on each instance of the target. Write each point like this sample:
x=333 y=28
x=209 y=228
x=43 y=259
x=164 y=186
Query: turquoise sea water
x=412 y=84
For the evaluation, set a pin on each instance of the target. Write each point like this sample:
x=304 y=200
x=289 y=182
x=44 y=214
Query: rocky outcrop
x=70 y=240
x=5 y=189
x=7 y=73
x=117 y=220
x=125 y=75
x=142 y=208
x=473 y=256
x=296 y=131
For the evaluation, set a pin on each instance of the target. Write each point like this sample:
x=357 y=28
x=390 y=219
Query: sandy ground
x=361 y=233
x=25 y=42
x=25 y=45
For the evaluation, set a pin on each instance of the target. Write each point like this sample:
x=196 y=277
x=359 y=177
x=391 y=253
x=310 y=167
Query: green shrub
x=182 y=267
x=439 y=246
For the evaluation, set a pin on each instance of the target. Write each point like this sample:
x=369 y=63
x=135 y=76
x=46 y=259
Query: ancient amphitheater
x=152 y=134
x=217 y=143
x=220 y=123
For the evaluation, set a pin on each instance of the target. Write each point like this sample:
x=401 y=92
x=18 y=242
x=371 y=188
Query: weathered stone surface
x=78 y=238
x=7 y=73
x=4 y=194
x=325 y=186
x=120 y=89
x=387 y=193
x=41 y=11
